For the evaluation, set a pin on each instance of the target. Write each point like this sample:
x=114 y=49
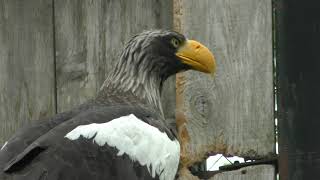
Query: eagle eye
x=175 y=42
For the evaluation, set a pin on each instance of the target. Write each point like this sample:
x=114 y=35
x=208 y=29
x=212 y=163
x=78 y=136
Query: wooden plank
x=260 y=172
x=26 y=63
x=257 y=172
x=89 y=36
x=233 y=113
x=298 y=88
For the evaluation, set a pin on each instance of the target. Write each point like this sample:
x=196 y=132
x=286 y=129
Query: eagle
x=121 y=134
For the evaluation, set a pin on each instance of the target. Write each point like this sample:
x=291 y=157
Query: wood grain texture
x=89 y=37
x=26 y=63
x=232 y=113
x=257 y=172
x=260 y=172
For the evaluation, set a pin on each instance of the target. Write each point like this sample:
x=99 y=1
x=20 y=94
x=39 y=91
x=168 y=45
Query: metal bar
x=235 y=166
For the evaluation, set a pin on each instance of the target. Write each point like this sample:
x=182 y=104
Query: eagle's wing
x=27 y=135
x=100 y=143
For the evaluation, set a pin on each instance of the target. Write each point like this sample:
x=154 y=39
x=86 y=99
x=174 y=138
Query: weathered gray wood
x=26 y=63
x=89 y=36
x=260 y=172
x=233 y=113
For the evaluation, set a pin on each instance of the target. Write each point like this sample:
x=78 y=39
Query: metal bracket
x=235 y=166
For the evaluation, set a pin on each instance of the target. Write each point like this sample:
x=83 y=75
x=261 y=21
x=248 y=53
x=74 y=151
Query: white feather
x=139 y=140
x=4 y=145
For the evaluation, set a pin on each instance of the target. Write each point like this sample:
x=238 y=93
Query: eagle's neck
x=135 y=82
x=144 y=88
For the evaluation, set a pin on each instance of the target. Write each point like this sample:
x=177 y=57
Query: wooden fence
x=55 y=54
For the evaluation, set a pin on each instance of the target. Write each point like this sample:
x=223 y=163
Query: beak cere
x=197 y=56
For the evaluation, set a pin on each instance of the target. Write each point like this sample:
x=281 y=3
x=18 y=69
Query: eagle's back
x=46 y=153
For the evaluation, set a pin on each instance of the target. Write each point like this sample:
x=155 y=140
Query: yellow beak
x=197 y=56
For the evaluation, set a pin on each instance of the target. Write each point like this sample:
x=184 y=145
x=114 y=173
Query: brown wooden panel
x=26 y=63
x=298 y=88
x=232 y=113
x=89 y=37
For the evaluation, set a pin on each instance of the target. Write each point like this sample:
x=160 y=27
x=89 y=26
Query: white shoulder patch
x=4 y=145
x=139 y=140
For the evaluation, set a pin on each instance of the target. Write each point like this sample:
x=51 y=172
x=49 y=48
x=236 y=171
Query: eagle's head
x=150 y=57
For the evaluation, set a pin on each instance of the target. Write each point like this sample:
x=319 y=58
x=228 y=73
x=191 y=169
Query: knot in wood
x=200 y=105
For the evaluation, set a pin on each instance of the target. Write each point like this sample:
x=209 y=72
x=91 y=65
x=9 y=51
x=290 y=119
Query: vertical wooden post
x=298 y=69
x=27 y=77
x=232 y=113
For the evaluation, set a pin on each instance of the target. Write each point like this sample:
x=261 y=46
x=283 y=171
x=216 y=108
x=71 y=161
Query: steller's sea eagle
x=121 y=134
